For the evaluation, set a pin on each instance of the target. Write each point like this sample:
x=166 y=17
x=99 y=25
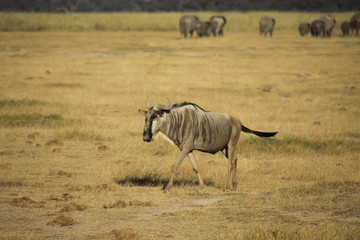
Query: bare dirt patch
x=140 y=203
x=103 y=148
x=118 y=204
x=73 y=207
x=64 y=197
x=56 y=150
x=127 y=233
x=62 y=220
x=64 y=173
x=123 y=204
x=54 y=142
x=26 y=202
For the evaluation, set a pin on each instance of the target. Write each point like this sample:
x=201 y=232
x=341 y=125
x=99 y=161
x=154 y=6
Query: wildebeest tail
x=260 y=134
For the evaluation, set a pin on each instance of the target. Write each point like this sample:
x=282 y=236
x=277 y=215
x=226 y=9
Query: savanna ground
x=73 y=164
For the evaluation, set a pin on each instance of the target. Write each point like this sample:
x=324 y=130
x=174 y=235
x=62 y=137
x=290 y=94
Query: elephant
x=329 y=24
x=355 y=24
x=203 y=29
x=345 y=28
x=304 y=28
x=317 y=28
x=217 y=25
x=266 y=25
x=188 y=25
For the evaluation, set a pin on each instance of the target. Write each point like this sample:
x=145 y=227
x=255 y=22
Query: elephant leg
x=191 y=33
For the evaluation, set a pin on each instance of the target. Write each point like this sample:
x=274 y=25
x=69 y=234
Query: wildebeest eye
x=153 y=116
x=157 y=114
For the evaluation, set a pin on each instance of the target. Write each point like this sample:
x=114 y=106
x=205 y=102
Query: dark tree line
x=176 y=5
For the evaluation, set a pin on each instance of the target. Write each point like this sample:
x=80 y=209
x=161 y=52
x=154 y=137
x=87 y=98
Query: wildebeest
x=190 y=127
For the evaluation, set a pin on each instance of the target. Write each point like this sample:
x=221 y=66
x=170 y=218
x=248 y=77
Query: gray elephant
x=217 y=25
x=304 y=28
x=345 y=28
x=355 y=24
x=317 y=28
x=266 y=25
x=203 y=29
x=188 y=25
x=329 y=24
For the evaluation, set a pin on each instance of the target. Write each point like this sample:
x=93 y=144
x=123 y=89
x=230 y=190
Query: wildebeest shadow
x=156 y=181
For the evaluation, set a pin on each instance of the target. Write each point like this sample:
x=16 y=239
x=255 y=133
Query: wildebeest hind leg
x=232 y=169
x=234 y=138
x=196 y=169
x=226 y=153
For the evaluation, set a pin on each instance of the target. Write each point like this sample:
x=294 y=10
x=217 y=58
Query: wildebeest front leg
x=196 y=169
x=174 y=168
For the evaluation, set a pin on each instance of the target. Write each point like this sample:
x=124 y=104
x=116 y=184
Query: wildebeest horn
x=170 y=103
x=146 y=103
x=159 y=107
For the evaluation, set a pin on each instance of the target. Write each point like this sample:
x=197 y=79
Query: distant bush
x=161 y=5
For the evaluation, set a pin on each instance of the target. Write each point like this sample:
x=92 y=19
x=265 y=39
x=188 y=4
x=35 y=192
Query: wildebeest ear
x=142 y=112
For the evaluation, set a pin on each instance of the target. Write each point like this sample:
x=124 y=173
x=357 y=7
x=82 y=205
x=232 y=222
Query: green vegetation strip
x=33 y=119
x=20 y=103
x=292 y=144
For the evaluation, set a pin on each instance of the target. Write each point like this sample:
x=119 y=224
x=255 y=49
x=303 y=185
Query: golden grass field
x=73 y=164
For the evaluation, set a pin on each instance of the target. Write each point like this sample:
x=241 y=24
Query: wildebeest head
x=154 y=117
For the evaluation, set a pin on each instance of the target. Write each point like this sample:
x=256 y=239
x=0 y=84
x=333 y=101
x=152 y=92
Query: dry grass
x=303 y=184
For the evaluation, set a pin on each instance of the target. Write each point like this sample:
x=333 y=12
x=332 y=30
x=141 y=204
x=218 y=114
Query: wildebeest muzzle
x=147 y=137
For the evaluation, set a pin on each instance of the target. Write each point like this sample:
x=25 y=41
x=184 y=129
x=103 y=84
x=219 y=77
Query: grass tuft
x=81 y=135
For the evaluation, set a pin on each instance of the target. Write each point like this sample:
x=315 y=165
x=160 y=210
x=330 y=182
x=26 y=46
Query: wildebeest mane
x=178 y=105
